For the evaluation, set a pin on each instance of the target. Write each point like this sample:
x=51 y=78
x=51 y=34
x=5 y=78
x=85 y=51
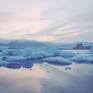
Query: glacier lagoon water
x=47 y=79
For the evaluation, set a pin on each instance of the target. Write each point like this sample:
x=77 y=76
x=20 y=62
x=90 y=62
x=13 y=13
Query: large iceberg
x=47 y=51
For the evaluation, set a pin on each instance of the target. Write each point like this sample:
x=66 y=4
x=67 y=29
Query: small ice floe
x=68 y=68
x=57 y=61
x=83 y=58
x=16 y=65
x=91 y=50
x=67 y=54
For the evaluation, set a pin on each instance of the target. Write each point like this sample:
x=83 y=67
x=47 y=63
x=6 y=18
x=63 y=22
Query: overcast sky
x=47 y=20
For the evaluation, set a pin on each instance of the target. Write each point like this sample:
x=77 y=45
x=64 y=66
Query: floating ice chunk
x=67 y=54
x=43 y=52
x=11 y=52
x=14 y=65
x=57 y=61
x=37 y=55
x=91 y=50
x=83 y=58
x=3 y=64
x=14 y=58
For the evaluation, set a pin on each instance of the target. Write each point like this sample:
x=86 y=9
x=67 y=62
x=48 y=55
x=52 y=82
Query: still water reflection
x=21 y=80
x=46 y=78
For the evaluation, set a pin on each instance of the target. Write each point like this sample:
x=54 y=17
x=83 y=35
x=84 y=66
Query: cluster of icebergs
x=16 y=57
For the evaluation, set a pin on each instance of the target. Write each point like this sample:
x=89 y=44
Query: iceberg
x=17 y=65
x=57 y=61
x=13 y=58
x=47 y=51
x=83 y=58
x=14 y=65
x=67 y=54
x=91 y=50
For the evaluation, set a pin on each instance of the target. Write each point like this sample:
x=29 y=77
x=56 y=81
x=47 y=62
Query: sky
x=47 y=20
